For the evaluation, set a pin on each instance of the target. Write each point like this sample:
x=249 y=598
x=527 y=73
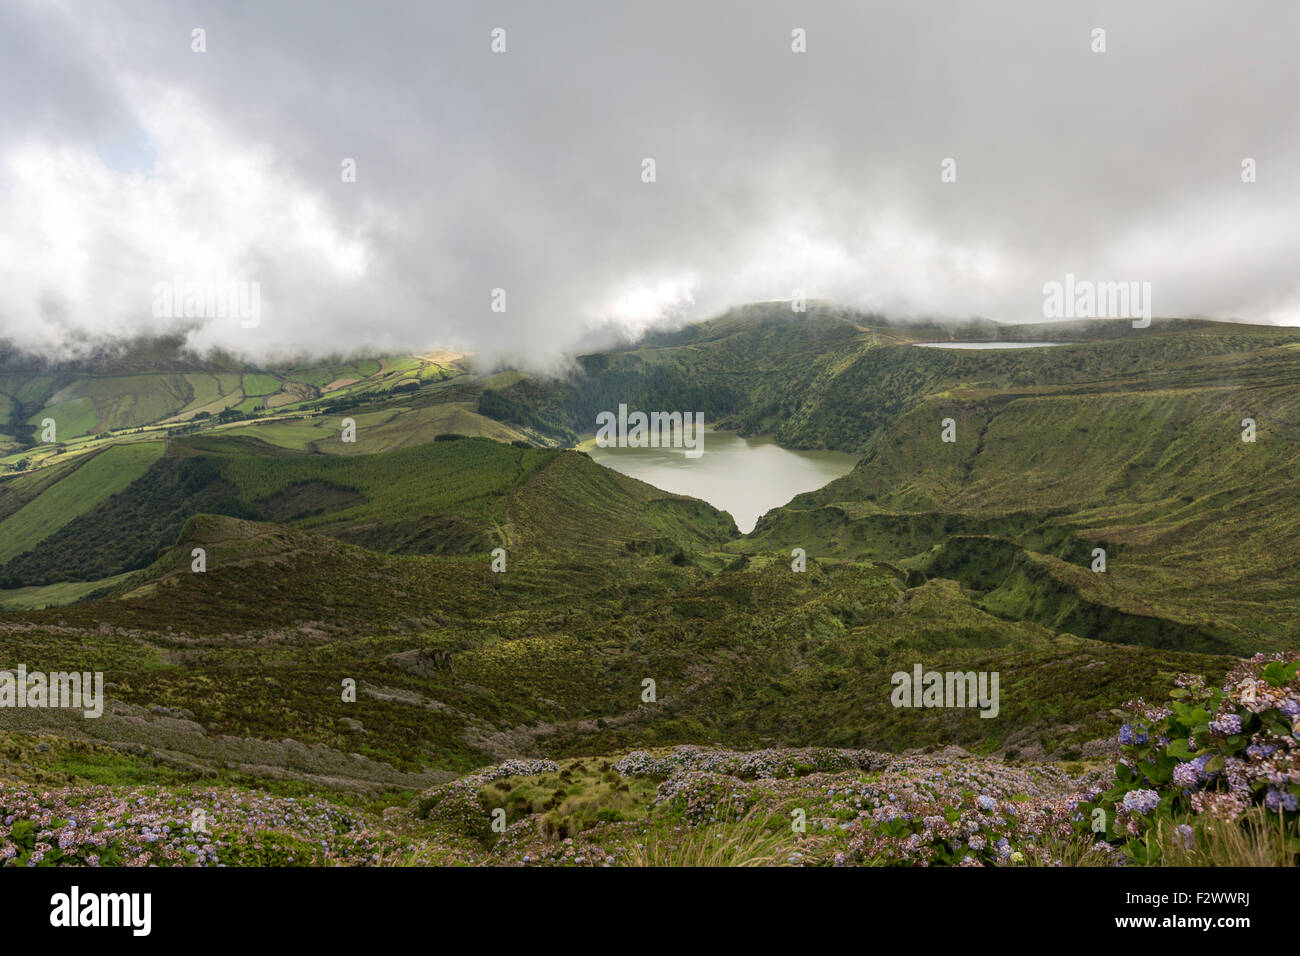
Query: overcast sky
x=128 y=159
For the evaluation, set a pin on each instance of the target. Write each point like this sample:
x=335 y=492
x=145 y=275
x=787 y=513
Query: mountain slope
x=551 y=657
x=457 y=496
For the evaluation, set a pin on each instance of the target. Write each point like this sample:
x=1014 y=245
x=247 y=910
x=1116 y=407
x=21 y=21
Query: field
x=94 y=480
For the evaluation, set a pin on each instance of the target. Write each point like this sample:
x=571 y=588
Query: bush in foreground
x=1214 y=759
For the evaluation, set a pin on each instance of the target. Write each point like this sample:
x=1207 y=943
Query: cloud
x=127 y=159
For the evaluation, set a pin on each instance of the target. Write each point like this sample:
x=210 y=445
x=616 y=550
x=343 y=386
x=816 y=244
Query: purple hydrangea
x=1278 y=800
x=1141 y=801
x=1128 y=734
x=1227 y=725
x=1187 y=775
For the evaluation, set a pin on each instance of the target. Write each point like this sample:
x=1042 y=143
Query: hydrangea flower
x=1187 y=775
x=886 y=814
x=1227 y=725
x=1281 y=800
x=1141 y=801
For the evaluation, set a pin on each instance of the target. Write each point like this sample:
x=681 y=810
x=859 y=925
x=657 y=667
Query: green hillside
x=90 y=483
x=628 y=620
x=158 y=386
x=1128 y=439
x=253 y=646
x=836 y=379
x=1196 y=523
x=465 y=495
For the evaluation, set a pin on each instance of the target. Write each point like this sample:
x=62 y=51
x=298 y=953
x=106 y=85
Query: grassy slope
x=150 y=383
x=1155 y=471
x=257 y=645
x=56 y=595
x=459 y=496
x=103 y=475
x=385 y=429
x=18 y=490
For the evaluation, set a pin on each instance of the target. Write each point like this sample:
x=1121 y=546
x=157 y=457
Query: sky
x=130 y=161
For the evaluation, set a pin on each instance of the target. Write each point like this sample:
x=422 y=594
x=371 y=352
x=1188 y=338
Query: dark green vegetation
x=457 y=497
x=752 y=656
x=371 y=561
x=1129 y=440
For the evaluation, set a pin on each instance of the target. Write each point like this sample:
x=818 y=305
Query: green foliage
x=1216 y=751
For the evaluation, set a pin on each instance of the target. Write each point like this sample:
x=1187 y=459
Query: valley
x=331 y=565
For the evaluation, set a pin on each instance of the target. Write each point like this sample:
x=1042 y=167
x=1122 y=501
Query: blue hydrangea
x=1278 y=800
x=1200 y=762
x=1227 y=724
x=1141 y=801
x=1128 y=734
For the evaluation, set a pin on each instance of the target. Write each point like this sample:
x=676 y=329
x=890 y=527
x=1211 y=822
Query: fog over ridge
x=128 y=160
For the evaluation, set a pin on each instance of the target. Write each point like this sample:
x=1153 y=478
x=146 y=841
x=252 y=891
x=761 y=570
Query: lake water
x=743 y=476
x=988 y=345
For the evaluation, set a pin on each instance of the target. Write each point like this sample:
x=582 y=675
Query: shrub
x=1219 y=752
